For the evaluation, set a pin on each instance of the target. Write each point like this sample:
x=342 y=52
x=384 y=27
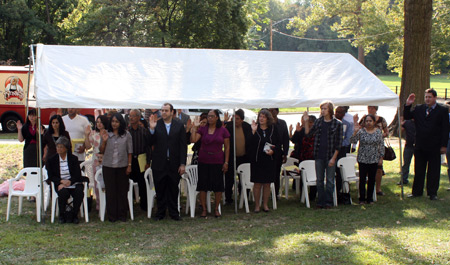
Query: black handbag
x=389 y=153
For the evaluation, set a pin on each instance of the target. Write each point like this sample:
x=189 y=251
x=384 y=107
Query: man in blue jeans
x=327 y=143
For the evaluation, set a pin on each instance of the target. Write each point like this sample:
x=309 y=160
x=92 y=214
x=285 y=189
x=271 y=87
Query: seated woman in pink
x=212 y=160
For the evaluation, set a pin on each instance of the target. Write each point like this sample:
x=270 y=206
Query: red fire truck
x=13 y=93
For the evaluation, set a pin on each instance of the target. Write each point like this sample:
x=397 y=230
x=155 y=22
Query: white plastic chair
x=309 y=178
x=86 y=171
x=290 y=162
x=102 y=194
x=32 y=188
x=191 y=178
x=350 y=174
x=151 y=193
x=83 y=208
x=246 y=184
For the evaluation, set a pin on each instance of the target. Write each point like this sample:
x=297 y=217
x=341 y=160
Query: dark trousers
x=408 y=153
x=368 y=171
x=138 y=178
x=422 y=160
x=116 y=188
x=230 y=176
x=276 y=181
x=166 y=187
x=64 y=194
x=342 y=153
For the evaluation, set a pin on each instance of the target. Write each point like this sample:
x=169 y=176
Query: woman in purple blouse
x=212 y=158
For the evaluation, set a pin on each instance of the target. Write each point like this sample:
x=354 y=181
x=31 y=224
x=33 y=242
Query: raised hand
x=410 y=100
x=355 y=119
x=254 y=126
x=152 y=120
x=305 y=116
x=19 y=125
x=291 y=128
x=87 y=130
x=104 y=135
x=197 y=121
x=226 y=117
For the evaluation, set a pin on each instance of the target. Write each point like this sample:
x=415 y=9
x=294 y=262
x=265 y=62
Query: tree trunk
x=417 y=49
x=361 y=54
x=416 y=52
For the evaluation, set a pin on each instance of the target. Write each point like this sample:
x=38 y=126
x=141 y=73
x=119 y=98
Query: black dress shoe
x=176 y=218
x=62 y=220
x=75 y=220
x=158 y=218
x=433 y=197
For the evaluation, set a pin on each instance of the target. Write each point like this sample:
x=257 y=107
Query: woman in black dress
x=264 y=144
x=28 y=133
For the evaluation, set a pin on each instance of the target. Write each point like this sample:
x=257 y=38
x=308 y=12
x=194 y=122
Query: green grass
x=8 y=135
x=392 y=231
x=438 y=82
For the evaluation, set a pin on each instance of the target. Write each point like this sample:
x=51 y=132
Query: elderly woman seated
x=64 y=171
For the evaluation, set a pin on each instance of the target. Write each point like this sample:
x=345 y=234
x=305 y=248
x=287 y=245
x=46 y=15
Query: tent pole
x=234 y=162
x=400 y=148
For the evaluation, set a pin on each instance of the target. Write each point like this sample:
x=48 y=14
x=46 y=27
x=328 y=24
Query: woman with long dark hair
x=28 y=133
x=55 y=130
x=263 y=146
x=212 y=161
x=117 y=148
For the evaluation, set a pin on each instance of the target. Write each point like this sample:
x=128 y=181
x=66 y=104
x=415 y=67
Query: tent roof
x=130 y=77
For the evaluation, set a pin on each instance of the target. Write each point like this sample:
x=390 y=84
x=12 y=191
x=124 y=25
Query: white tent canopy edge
x=130 y=77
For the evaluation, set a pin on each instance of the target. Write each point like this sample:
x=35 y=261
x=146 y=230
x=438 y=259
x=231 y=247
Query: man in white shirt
x=75 y=126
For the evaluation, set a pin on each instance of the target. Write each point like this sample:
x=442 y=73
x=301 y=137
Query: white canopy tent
x=130 y=77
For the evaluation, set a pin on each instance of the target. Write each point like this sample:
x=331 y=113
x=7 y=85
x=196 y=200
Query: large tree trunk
x=417 y=49
x=416 y=52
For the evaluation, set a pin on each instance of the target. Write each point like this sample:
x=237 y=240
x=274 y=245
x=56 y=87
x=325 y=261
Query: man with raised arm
x=168 y=137
x=432 y=127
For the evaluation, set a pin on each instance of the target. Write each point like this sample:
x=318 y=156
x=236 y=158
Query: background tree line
x=372 y=30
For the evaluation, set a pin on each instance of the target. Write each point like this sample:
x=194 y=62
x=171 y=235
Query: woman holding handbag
x=370 y=155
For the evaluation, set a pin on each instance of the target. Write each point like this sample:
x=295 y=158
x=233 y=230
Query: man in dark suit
x=432 y=127
x=168 y=137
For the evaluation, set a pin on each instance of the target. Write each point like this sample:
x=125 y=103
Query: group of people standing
x=125 y=150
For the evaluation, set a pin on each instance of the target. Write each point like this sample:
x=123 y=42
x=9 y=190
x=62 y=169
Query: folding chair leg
x=20 y=204
x=208 y=201
x=38 y=209
x=286 y=187
x=274 y=198
x=8 y=208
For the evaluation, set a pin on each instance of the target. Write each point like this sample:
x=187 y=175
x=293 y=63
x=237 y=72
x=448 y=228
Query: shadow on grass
x=390 y=231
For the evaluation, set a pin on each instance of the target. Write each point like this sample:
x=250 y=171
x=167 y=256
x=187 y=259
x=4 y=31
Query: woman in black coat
x=264 y=144
x=64 y=171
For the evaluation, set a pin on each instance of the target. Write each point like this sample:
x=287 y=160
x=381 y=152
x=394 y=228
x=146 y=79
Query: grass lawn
x=392 y=231
x=438 y=82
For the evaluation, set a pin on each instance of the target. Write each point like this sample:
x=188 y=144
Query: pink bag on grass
x=17 y=185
